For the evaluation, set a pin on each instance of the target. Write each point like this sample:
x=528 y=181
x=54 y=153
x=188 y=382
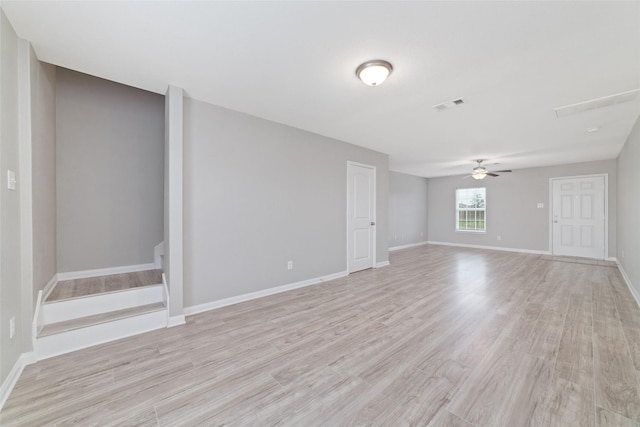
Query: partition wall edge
x=173 y=203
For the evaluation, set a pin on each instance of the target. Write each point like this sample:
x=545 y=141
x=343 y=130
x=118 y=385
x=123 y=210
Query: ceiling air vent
x=448 y=104
x=593 y=104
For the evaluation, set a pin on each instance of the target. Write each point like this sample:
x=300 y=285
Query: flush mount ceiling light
x=374 y=72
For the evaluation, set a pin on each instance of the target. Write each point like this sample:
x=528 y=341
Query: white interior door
x=578 y=215
x=361 y=208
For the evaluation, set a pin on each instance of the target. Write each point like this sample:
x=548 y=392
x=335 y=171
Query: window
x=471 y=205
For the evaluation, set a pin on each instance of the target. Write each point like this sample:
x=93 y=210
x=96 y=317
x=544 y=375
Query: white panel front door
x=578 y=215
x=360 y=216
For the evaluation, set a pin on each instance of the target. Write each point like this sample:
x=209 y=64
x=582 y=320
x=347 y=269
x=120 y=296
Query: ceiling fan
x=480 y=172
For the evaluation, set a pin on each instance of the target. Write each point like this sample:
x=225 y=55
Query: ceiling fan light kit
x=480 y=172
x=374 y=72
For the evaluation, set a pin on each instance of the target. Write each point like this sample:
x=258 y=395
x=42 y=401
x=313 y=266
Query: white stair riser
x=65 y=342
x=53 y=312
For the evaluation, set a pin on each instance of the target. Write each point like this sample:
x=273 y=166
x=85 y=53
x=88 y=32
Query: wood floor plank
x=145 y=417
x=128 y=395
x=445 y=418
x=633 y=339
x=196 y=408
x=426 y=341
x=526 y=394
x=76 y=288
x=611 y=419
x=334 y=402
x=416 y=398
x=61 y=398
x=572 y=372
x=568 y=405
x=482 y=395
x=295 y=398
x=616 y=383
x=574 y=361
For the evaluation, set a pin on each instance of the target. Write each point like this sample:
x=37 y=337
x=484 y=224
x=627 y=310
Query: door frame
x=375 y=206
x=606 y=208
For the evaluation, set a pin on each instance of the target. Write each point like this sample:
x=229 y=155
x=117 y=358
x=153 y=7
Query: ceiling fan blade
x=492 y=174
x=504 y=171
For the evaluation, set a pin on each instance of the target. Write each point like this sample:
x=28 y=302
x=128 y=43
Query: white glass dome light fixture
x=374 y=72
x=479 y=172
x=479 y=175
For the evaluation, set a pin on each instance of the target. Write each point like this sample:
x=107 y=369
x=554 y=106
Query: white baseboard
x=46 y=291
x=382 y=264
x=627 y=280
x=410 y=245
x=14 y=375
x=171 y=320
x=612 y=258
x=259 y=294
x=72 y=275
x=493 y=248
x=176 y=321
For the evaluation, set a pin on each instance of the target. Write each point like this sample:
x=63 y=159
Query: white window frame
x=458 y=210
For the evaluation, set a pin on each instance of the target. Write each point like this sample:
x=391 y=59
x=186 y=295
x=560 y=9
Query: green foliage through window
x=471 y=209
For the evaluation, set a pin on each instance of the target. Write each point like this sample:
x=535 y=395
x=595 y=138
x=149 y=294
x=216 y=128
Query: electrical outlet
x=422 y=234
x=499 y=237
x=289 y=265
x=12 y=327
x=540 y=205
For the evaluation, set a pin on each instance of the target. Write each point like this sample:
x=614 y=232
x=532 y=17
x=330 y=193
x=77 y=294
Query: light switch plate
x=11 y=180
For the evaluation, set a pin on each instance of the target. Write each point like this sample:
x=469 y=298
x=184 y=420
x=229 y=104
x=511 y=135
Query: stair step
x=83 y=322
x=79 y=288
x=68 y=309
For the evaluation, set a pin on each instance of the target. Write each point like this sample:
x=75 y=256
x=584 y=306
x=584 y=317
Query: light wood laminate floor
x=78 y=288
x=442 y=337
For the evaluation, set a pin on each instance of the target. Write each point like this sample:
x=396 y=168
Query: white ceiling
x=294 y=63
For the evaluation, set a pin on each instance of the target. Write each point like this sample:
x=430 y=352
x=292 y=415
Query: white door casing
x=361 y=209
x=579 y=216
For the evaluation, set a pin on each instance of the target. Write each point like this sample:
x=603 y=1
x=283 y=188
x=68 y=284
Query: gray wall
x=511 y=206
x=110 y=161
x=173 y=264
x=258 y=194
x=407 y=209
x=629 y=206
x=10 y=246
x=43 y=152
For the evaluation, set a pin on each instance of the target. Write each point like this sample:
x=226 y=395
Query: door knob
x=373 y=223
